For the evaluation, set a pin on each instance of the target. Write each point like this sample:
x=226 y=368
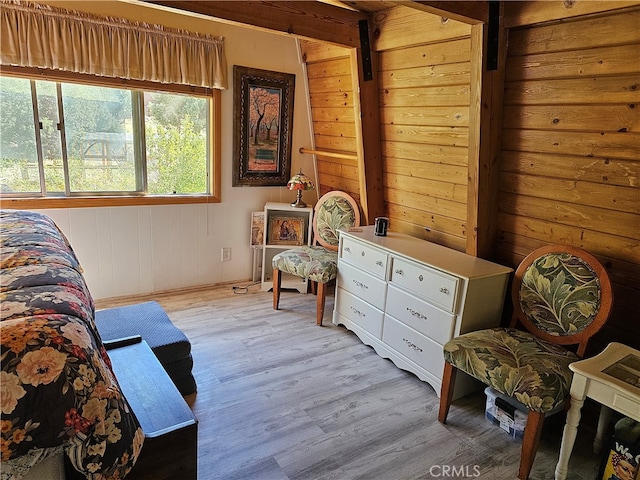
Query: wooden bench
x=265 y=155
x=170 y=449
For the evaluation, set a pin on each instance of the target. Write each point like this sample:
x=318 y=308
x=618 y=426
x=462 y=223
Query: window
x=75 y=140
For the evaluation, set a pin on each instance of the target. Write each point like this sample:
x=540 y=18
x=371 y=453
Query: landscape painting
x=263 y=113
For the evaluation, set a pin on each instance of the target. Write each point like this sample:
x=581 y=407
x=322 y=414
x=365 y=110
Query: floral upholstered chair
x=318 y=263
x=562 y=296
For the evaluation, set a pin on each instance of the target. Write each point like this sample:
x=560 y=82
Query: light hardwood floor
x=281 y=398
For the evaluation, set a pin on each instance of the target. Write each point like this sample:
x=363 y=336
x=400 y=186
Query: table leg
x=570 y=430
x=603 y=422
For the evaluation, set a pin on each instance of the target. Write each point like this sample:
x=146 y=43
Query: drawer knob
x=347 y=249
x=444 y=290
x=399 y=272
x=420 y=277
x=362 y=253
x=379 y=263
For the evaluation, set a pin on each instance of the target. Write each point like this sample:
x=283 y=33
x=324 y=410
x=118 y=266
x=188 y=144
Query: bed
x=58 y=390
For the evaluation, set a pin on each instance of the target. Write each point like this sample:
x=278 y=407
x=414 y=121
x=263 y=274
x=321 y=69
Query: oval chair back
x=561 y=294
x=334 y=211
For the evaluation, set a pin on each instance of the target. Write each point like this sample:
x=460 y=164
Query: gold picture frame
x=286 y=231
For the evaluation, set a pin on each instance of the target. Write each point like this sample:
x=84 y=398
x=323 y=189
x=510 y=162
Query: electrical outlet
x=225 y=254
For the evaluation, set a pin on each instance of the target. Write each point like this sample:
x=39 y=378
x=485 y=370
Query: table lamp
x=299 y=182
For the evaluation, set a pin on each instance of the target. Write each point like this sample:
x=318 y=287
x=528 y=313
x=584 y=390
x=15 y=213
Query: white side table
x=609 y=389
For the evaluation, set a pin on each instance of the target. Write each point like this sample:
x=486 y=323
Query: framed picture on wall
x=257 y=229
x=262 y=130
x=286 y=231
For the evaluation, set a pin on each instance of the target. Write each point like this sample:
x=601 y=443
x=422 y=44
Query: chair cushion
x=315 y=263
x=515 y=363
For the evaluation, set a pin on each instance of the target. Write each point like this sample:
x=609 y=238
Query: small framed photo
x=286 y=231
x=257 y=229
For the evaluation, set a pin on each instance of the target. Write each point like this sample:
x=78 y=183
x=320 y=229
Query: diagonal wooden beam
x=302 y=19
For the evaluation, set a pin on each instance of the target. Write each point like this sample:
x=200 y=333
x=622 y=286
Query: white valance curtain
x=35 y=35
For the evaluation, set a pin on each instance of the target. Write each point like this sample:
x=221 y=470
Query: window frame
x=214 y=195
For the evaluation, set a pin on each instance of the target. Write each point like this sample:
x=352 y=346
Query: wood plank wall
x=332 y=100
x=424 y=71
x=571 y=150
x=570 y=162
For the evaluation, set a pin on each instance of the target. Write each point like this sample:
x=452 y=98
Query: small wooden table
x=601 y=378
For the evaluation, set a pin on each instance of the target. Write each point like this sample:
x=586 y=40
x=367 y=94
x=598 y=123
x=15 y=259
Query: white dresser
x=407 y=297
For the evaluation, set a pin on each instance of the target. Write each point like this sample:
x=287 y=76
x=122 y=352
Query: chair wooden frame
x=319 y=289
x=535 y=420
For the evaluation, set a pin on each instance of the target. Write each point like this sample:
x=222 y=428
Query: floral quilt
x=58 y=391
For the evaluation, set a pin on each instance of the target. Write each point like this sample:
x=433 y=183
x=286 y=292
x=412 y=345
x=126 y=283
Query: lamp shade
x=299 y=182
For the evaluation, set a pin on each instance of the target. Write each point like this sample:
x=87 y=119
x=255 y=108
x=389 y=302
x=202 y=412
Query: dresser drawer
x=420 y=315
x=367 y=287
x=416 y=347
x=428 y=283
x=370 y=259
x=359 y=312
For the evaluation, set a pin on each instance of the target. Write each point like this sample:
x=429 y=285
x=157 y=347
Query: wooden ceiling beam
x=309 y=20
x=469 y=12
